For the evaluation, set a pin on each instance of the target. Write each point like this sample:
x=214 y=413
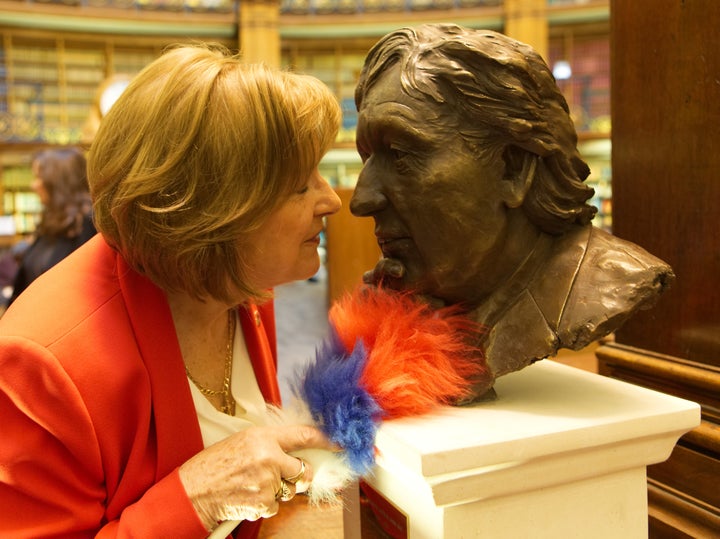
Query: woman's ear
x=520 y=168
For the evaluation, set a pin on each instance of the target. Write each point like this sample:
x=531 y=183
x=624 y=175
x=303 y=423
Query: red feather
x=418 y=357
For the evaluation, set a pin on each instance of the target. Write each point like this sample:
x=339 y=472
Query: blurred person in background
x=60 y=180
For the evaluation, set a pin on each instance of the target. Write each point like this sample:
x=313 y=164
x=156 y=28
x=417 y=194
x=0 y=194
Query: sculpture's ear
x=520 y=168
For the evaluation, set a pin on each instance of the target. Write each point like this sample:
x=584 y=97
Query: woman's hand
x=241 y=477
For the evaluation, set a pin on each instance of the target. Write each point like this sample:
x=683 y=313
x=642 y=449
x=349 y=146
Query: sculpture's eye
x=401 y=159
x=397 y=153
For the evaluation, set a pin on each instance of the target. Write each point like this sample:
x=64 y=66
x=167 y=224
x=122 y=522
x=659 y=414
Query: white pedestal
x=561 y=453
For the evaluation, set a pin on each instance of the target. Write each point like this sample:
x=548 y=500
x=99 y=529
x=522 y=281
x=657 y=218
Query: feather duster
x=388 y=355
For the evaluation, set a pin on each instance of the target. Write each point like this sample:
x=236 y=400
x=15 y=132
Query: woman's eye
x=303 y=190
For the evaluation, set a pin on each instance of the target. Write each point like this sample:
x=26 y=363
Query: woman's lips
x=314 y=240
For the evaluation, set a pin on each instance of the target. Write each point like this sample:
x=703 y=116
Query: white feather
x=331 y=471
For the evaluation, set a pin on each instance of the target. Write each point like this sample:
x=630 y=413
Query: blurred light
x=562 y=70
x=111 y=94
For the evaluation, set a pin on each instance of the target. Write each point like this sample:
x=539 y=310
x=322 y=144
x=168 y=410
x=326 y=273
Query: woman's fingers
x=298 y=437
x=247 y=475
x=302 y=474
x=293 y=437
x=286 y=492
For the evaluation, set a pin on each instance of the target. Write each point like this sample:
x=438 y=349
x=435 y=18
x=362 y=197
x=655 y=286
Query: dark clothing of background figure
x=45 y=252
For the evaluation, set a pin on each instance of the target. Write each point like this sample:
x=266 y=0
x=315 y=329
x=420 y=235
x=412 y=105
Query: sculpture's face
x=436 y=203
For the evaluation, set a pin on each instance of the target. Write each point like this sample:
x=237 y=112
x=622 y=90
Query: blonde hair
x=195 y=154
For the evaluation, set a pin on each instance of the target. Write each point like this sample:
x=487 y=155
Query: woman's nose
x=331 y=202
x=367 y=198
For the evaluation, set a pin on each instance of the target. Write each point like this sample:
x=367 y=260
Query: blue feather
x=344 y=410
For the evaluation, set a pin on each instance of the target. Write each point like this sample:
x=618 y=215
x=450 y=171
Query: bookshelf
x=48 y=82
x=53 y=55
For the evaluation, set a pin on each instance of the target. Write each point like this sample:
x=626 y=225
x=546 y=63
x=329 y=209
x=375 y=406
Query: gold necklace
x=228 y=402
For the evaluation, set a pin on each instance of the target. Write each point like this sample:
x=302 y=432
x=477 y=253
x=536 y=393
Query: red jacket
x=95 y=407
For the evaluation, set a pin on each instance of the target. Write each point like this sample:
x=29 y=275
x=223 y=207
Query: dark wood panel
x=685 y=379
x=674 y=516
x=666 y=164
x=665 y=101
x=692 y=472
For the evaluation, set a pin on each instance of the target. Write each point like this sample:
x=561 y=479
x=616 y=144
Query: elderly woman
x=134 y=375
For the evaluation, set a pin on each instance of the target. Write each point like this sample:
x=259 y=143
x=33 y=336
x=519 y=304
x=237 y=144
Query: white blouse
x=250 y=409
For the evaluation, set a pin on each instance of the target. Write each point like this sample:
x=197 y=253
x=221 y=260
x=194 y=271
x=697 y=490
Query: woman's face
x=284 y=248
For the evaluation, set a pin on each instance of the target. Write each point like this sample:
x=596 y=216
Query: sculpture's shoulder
x=588 y=284
x=610 y=261
x=614 y=279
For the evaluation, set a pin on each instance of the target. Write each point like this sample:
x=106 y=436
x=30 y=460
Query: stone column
x=259 y=33
x=526 y=21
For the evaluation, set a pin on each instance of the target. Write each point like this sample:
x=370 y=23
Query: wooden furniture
x=666 y=195
x=351 y=248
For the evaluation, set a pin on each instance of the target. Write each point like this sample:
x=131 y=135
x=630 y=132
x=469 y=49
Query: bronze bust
x=472 y=175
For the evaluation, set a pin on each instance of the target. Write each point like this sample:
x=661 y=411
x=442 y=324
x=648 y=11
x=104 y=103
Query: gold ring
x=298 y=476
x=284 y=493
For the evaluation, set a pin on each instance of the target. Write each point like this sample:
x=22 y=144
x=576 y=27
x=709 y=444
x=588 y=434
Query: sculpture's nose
x=368 y=199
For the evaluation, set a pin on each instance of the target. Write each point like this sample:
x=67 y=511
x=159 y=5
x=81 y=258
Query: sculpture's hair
x=505 y=99
x=63 y=175
x=196 y=153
